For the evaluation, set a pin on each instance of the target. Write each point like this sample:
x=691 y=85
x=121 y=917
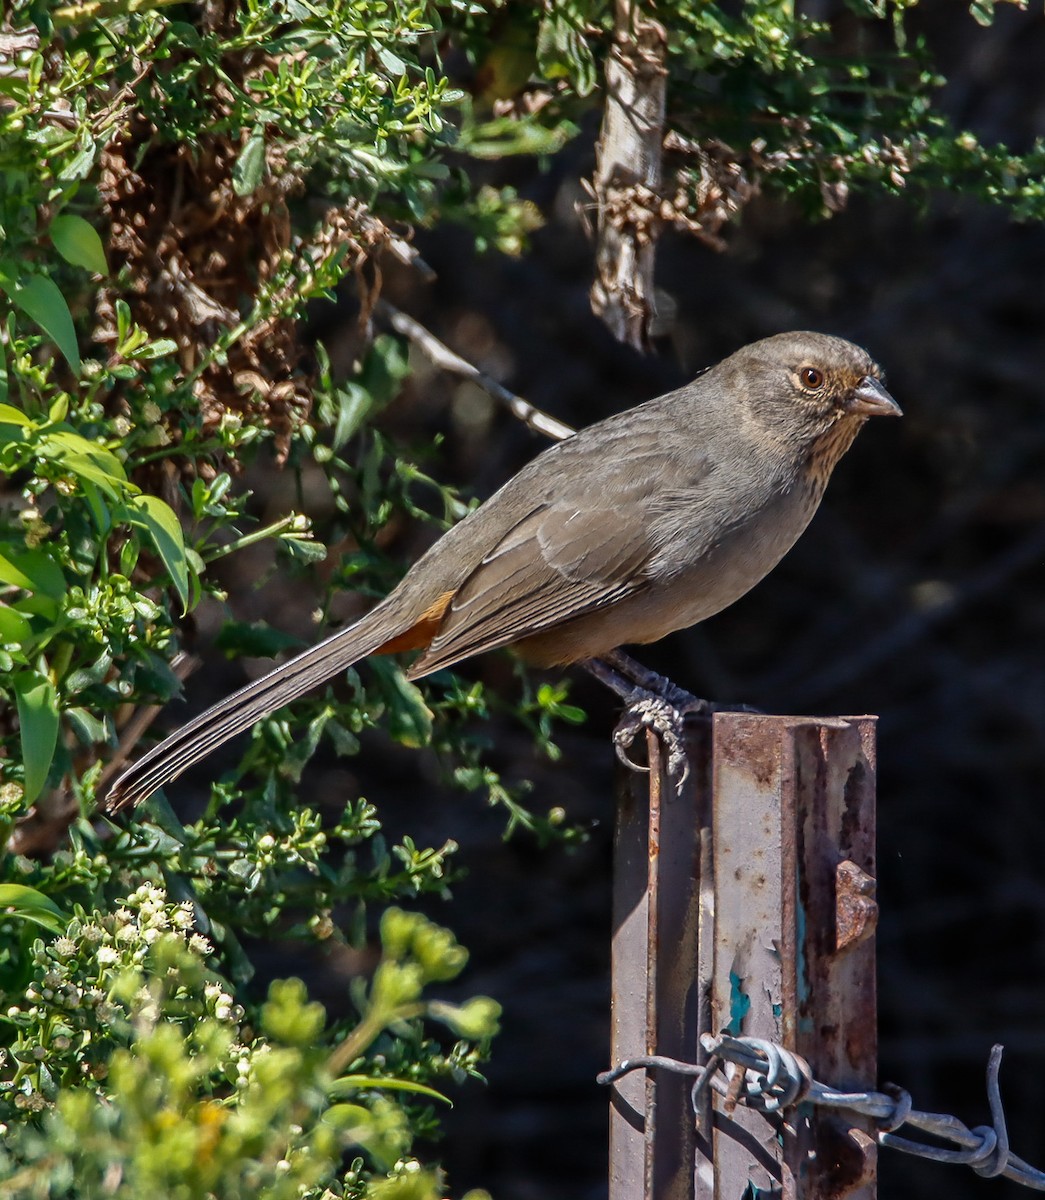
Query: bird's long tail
x=187 y=745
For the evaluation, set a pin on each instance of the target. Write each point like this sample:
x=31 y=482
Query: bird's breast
x=700 y=570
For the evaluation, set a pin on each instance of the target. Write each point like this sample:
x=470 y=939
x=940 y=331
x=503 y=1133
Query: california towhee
x=643 y=523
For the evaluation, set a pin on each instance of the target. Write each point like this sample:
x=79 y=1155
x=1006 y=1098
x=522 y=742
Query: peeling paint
x=754 y=1192
x=739 y=1005
x=801 y=963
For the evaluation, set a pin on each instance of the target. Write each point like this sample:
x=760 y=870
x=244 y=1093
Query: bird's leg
x=684 y=703
x=651 y=702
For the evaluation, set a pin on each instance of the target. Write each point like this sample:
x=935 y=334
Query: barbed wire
x=766 y=1077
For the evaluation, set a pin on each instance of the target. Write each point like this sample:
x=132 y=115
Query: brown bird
x=641 y=524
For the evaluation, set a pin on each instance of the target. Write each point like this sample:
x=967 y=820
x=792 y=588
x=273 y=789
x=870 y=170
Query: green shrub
x=147 y=1077
x=178 y=183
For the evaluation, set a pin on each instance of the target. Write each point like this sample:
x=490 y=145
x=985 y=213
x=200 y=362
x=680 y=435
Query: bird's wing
x=557 y=563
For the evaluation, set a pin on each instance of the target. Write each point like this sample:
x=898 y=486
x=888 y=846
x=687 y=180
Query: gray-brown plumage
x=643 y=523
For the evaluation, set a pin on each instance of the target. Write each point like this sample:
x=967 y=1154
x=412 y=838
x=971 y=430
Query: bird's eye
x=811 y=378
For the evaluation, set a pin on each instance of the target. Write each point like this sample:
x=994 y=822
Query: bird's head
x=811 y=390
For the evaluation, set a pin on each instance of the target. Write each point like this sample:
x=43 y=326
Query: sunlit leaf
x=27 y=904
x=33 y=571
x=158 y=519
x=250 y=166
x=346 y=1085
x=38 y=721
x=14 y=627
x=77 y=456
x=77 y=241
x=81 y=163
x=9 y=415
x=42 y=301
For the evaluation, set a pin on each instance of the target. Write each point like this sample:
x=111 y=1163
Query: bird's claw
x=665 y=718
x=628 y=729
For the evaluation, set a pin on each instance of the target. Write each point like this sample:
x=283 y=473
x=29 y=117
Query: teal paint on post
x=801 y=966
x=753 y=1192
x=739 y=1005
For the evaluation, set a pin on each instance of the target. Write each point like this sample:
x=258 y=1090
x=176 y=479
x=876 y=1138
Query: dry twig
x=443 y=357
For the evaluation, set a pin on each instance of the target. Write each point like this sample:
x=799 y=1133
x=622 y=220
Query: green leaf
x=304 y=549
x=250 y=166
x=85 y=677
x=503 y=136
x=158 y=349
x=40 y=299
x=79 y=166
x=158 y=519
x=14 y=627
x=101 y=515
x=89 y=730
x=124 y=324
x=563 y=52
x=9 y=415
x=350 y=1117
x=38 y=721
x=28 y=904
x=12 y=438
x=391 y=61
x=33 y=571
x=77 y=241
x=353 y=407
x=344 y=741
x=409 y=718
x=74 y=454
x=346 y=1085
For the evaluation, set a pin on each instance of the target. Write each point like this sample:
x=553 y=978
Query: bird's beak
x=870 y=399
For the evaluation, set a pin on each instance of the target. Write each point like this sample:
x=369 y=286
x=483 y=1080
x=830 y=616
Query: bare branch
x=444 y=358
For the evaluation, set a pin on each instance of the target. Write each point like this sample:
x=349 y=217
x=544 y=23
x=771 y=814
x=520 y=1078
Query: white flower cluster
x=78 y=1003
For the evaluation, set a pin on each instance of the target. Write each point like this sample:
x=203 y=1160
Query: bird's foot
x=663 y=716
x=651 y=703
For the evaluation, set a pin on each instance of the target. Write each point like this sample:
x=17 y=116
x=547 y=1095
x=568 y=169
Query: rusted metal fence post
x=744 y=902
x=655 y=1002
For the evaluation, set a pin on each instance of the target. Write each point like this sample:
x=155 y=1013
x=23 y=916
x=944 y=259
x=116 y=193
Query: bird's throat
x=829 y=448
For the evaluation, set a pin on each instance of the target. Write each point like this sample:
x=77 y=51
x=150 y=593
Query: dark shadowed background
x=916 y=594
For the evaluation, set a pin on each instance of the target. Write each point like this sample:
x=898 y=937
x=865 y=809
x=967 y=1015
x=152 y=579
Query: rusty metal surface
x=655 y=989
x=792 y=817
x=675 y=936
x=629 y=955
x=753 y=971
x=856 y=912
x=834 y=772
x=744 y=901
